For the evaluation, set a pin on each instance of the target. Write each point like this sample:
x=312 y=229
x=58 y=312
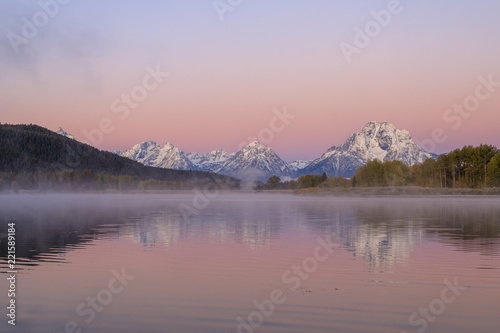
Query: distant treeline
x=87 y=180
x=469 y=167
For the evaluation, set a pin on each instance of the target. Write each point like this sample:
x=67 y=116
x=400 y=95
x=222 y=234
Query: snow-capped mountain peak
x=60 y=131
x=382 y=141
x=254 y=144
x=152 y=154
x=169 y=146
x=256 y=162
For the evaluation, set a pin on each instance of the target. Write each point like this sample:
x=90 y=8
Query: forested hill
x=31 y=149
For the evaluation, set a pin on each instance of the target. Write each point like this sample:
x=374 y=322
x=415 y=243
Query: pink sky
x=225 y=78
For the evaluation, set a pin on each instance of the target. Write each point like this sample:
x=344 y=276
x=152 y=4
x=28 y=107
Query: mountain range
x=31 y=149
x=377 y=140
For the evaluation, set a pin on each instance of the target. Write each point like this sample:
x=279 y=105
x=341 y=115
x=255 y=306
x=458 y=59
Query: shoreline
x=401 y=191
x=408 y=191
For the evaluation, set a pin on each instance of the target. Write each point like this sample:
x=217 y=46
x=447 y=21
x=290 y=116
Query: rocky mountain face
x=60 y=131
x=212 y=161
x=382 y=141
x=151 y=154
x=256 y=162
x=252 y=162
x=299 y=164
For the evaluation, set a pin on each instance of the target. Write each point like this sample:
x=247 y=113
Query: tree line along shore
x=474 y=168
x=470 y=170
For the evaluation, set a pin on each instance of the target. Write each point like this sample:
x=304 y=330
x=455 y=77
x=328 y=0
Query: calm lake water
x=252 y=263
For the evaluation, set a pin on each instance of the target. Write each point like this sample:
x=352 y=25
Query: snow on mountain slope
x=168 y=156
x=299 y=164
x=253 y=162
x=382 y=141
x=60 y=131
x=212 y=161
x=256 y=162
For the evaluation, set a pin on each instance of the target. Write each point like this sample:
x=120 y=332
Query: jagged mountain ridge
x=257 y=162
x=213 y=161
x=151 y=154
x=252 y=162
x=62 y=132
x=382 y=141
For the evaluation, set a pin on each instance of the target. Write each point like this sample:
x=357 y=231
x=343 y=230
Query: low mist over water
x=236 y=262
